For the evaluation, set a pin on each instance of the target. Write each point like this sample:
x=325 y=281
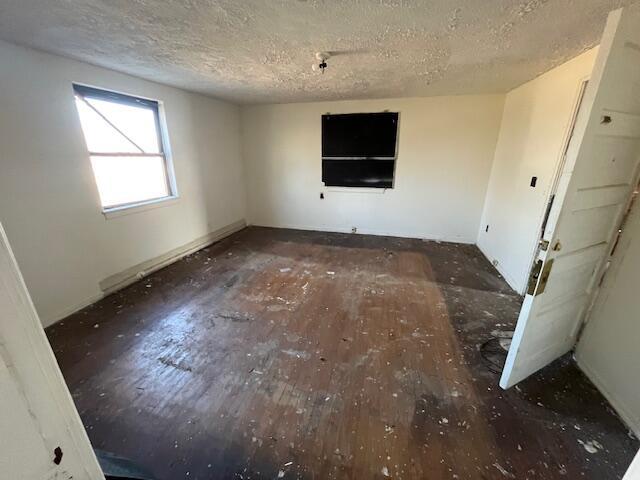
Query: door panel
x=603 y=196
x=561 y=286
x=612 y=159
x=24 y=450
x=41 y=435
x=587 y=227
x=593 y=191
x=626 y=97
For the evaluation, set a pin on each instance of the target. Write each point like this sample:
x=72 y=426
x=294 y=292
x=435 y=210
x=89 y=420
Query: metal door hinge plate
x=533 y=277
x=544 y=277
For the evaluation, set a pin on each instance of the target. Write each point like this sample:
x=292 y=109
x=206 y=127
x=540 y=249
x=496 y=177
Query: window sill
x=139 y=207
x=379 y=191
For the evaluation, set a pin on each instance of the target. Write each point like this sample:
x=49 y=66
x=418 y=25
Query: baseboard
x=365 y=231
x=630 y=420
x=70 y=310
x=123 y=279
x=512 y=283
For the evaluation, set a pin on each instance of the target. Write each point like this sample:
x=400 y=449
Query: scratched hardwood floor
x=290 y=354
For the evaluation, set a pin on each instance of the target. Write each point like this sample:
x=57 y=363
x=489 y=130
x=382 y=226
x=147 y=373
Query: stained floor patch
x=249 y=360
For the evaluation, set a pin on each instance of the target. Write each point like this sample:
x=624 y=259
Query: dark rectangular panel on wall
x=358 y=173
x=359 y=135
x=359 y=149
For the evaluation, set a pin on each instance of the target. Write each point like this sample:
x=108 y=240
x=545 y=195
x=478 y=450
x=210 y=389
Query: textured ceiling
x=261 y=51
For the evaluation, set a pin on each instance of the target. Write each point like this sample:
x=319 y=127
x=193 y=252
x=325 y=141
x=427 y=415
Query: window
x=126 y=148
x=359 y=149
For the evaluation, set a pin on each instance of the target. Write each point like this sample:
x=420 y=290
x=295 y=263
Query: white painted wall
x=49 y=203
x=445 y=150
x=535 y=125
x=609 y=349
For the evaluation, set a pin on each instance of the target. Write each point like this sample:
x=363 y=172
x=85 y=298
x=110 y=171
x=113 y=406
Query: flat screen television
x=359 y=149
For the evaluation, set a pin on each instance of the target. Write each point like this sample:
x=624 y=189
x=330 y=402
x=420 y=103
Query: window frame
x=157 y=107
x=327 y=159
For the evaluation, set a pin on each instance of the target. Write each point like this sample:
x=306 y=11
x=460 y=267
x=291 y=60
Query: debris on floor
x=253 y=359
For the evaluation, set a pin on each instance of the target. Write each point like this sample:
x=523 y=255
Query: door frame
x=604 y=268
x=550 y=197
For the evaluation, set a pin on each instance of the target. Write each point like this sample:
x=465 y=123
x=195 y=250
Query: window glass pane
x=123 y=180
x=99 y=135
x=137 y=123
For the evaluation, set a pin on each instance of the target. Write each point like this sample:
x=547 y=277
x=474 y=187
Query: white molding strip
x=123 y=279
x=520 y=289
x=632 y=422
x=366 y=231
x=51 y=319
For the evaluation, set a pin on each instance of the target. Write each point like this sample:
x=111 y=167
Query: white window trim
x=169 y=200
x=378 y=191
x=138 y=207
x=142 y=206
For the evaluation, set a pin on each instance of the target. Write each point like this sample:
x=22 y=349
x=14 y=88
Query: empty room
x=319 y=239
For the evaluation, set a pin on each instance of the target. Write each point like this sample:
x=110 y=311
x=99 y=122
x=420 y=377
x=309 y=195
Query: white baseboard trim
x=70 y=310
x=627 y=417
x=364 y=231
x=123 y=279
x=512 y=283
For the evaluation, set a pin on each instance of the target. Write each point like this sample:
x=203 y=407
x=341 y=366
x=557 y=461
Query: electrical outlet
x=354 y=229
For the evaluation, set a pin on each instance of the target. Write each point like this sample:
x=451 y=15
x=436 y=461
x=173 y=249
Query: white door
x=593 y=191
x=634 y=469
x=41 y=435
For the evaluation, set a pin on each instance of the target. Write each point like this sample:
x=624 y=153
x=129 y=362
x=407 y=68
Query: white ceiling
x=261 y=51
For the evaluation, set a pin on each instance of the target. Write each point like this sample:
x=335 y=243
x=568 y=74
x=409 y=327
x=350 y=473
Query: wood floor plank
x=308 y=355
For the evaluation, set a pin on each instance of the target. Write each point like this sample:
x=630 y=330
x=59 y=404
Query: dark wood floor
x=288 y=354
